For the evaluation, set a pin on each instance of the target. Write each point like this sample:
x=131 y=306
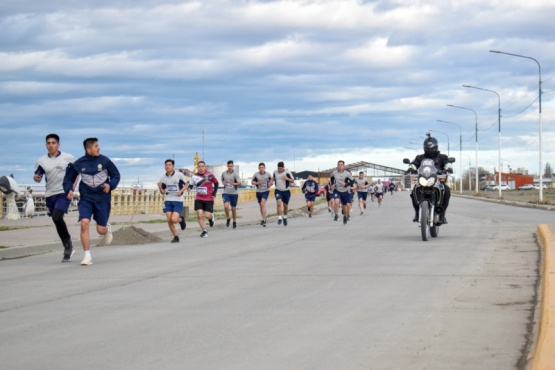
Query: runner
x=329 y=198
x=207 y=186
x=362 y=185
x=310 y=188
x=282 y=178
x=99 y=176
x=391 y=187
x=230 y=181
x=173 y=185
x=372 y=191
x=263 y=182
x=52 y=166
x=379 y=189
x=341 y=181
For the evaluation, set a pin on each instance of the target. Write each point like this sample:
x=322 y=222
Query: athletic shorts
x=232 y=199
x=99 y=211
x=379 y=195
x=283 y=195
x=58 y=201
x=205 y=205
x=362 y=195
x=344 y=197
x=262 y=195
x=172 y=206
x=310 y=197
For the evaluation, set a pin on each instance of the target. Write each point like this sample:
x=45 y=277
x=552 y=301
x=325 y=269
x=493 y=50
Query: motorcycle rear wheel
x=434 y=231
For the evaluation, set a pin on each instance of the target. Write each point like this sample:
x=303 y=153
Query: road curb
x=545 y=207
x=544 y=353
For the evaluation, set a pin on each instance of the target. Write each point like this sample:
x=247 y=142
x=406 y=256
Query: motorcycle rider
x=442 y=164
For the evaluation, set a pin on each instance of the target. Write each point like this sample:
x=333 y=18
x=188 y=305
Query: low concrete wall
x=129 y=202
x=544 y=354
x=125 y=203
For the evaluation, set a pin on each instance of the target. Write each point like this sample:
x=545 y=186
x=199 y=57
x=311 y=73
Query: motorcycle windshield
x=427 y=168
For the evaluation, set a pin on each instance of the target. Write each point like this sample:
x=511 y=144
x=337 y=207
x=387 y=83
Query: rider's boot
x=443 y=219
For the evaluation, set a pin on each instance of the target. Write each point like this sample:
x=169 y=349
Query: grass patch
x=8 y=228
x=157 y=221
x=3 y=247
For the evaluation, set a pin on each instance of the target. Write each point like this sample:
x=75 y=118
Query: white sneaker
x=87 y=260
x=107 y=240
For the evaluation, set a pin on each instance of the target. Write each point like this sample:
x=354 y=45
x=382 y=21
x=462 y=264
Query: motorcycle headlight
x=427 y=182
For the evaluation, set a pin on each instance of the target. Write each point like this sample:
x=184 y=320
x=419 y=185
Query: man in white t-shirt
x=172 y=185
x=52 y=166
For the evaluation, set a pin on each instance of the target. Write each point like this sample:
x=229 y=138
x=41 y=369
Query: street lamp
x=498 y=131
x=460 y=150
x=476 y=128
x=540 y=105
x=469 y=171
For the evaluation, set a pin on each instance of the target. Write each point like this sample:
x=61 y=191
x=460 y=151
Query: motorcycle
x=428 y=192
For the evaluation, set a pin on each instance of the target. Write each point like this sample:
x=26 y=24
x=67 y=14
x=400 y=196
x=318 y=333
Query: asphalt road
x=313 y=295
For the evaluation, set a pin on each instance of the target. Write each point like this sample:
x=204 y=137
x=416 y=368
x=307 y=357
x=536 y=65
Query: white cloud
x=300 y=81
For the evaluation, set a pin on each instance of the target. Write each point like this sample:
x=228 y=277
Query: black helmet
x=430 y=146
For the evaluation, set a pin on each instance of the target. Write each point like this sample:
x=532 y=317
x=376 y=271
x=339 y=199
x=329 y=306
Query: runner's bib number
x=202 y=191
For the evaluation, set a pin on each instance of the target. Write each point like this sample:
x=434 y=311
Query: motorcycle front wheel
x=425 y=220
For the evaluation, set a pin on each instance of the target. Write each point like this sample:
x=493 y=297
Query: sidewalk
x=38 y=235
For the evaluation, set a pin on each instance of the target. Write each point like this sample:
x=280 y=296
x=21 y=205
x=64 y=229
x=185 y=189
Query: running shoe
x=284 y=222
x=87 y=260
x=68 y=255
x=309 y=216
x=228 y=222
x=345 y=220
x=182 y=223
x=175 y=239
x=279 y=221
x=108 y=237
x=263 y=223
x=329 y=209
x=68 y=250
x=361 y=213
x=211 y=221
x=364 y=205
x=234 y=224
x=204 y=234
x=336 y=218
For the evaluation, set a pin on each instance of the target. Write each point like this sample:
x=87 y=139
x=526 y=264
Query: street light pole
x=540 y=115
x=460 y=150
x=498 y=132
x=476 y=129
x=469 y=172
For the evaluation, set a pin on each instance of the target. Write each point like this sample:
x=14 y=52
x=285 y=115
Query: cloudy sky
x=304 y=82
